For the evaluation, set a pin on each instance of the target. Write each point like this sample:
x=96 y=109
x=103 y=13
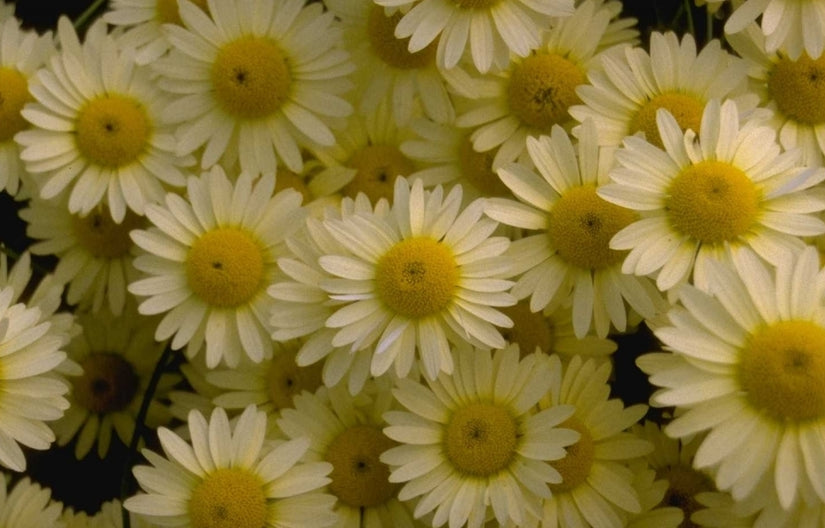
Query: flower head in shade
x=474 y=444
x=209 y=259
x=426 y=274
x=22 y=54
x=486 y=31
x=797 y=26
x=745 y=365
x=569 y=258
x=254 y=80
x=229 y=476
x=28 y=505
x=706 y=196
x=98 y=131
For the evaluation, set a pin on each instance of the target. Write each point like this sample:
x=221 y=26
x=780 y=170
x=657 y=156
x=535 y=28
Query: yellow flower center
x=416 y=277
x=530 y=329
x=686 y=109
x=359 y=478
x=285 y=379
x=782 y=370
x=251 y=77
x=14 y=94
x=477 y=168
x=582 y=224
x=378 y=166
x=108 y=383
x=225 y=267
x=112 y=130
x=798 y=87
x=575 y=466
x=684 y=484
x=712 y=201
x=167 y=12
x=481 y=439
x=475 y=4
x=542 y=88
x=286 y=179
x=228 y=498
x=391 y=50
x=98 y=234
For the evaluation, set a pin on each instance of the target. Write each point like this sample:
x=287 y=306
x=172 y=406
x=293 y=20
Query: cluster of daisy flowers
x=356 y=263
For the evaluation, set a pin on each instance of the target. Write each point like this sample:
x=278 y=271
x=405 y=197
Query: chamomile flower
x=744 y=366
x=209 y=261
x=118 y=356
x=797 y=26
x=110 y=515
x=22 y=54
x=142 y=22
x=95 y=253
x=254 y=80
x=386 y=70
x=570 y=256
x=707 y=196
x=28 y=505
x=475 y=442
x=534 y=93
x=346 y=431
x=31 y=391
x=623 y=96
x=596 y=488
x=792 y=88
x=97 y=128
x=228 y=476
x=493 y=29
x=425 y=275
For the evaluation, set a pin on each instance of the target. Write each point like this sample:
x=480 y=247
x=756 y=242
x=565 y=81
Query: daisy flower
x=797 y=26
x=707 y=196
x=596 y=487
x=95 y=253
x=427 y=274
x=476 y=441
x=623 y=96
x=118 y=356
x=22 y=54
x=494 y=29
x=98 y=128
x=792 y=88
x=209 y=261
x=110 y=515
x=744 y=366
x=386 y=70
x=534 y=93
x=271 y=384
x=346 y=431
x=227 y=476
x=254 y=80
x=142 y=23
x=570 y=256
x=28 y=505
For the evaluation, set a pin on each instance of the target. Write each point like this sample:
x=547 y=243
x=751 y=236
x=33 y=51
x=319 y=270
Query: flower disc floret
x=582 y=224
x=417 y=277
x=14 y=94
x=228 y=498
x=686 y=109
x=225 y=267
x=251 y=77
x=477 y=168
x=359 y=478
x=377 y=168
x=167 y=11
x=98 y=233
x=481 y=439
x=798 y=87
x=684 y=483
x=712 y=201
x=285 y=379
x=392 y=50
x=112 y=130
x=576 y=465
x=782 y=369
x=542 y=87
x=108 y=383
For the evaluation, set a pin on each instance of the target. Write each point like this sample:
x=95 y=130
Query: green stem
x=140 y=430
x=689 y=13
x=86 y=15
x=709 y=26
